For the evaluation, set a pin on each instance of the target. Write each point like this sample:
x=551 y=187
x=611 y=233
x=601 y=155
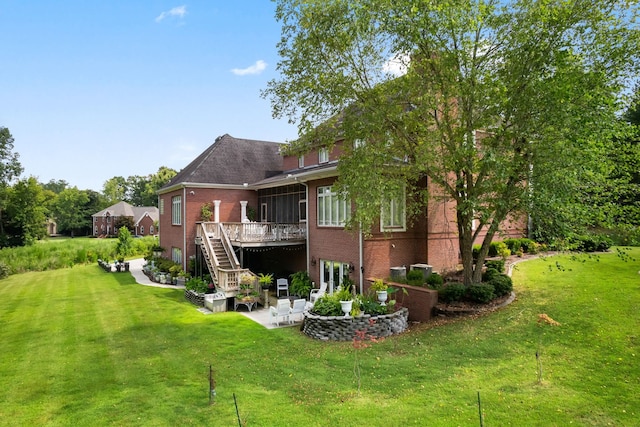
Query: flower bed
x=343 y=328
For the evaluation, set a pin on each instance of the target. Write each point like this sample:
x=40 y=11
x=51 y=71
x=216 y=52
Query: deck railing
x=256 y=232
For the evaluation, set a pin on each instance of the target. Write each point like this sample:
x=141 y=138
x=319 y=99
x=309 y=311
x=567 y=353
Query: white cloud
x=397 y=65
x=179 y=11
x=256 y=68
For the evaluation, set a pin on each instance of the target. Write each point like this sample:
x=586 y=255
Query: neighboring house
x=298 y=223
x=52 y=227
x=143 y=218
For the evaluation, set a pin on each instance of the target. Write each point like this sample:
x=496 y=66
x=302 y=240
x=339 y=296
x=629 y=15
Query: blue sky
x=96 y=89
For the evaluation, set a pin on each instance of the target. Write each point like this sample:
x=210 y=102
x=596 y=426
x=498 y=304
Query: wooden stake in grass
x=212 y=386
x=480 y=411
x=235 y=402
x=539 y=362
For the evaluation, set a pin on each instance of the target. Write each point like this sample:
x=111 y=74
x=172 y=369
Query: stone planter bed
x=194 y=298
x=341 y=328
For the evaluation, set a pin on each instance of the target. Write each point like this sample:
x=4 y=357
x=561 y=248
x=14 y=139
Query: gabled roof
x=125 y=209
x=119 y=209
x=231 y=161
x=140 y=211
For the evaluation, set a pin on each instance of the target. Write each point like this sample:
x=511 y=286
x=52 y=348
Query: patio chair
x=282 y=285
x=283 y=309
x=299 y=306
x=317 y=293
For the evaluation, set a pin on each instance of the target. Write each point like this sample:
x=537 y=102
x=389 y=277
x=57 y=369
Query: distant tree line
x=26 y=205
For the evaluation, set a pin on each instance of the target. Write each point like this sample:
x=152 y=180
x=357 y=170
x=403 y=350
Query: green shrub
x=502 y=284
x=625 y=235
x=481 y=292
x=435 y=281
x=452 y=292
x=591 y=243
x=372 y=307
x=415 y=278
x=493 y=249
x=514 y=245
x=475 y=251
x=196 y=284
x=4 y=270
x=496 y=264
x=489 y=274
x=327 y=305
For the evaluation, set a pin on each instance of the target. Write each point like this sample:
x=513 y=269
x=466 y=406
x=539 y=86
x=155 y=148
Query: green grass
x=82 y=347
x=59 y=252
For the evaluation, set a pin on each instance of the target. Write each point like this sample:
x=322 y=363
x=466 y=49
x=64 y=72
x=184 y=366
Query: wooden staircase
x=221 y=260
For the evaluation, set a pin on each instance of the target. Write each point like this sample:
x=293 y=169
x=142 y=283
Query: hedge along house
x=279 y=214
x=142 y=218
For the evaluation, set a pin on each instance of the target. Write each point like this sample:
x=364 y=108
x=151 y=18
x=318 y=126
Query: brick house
x=277 y=213
x=143 y=218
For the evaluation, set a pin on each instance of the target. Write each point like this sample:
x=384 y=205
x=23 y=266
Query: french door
x=332 y=273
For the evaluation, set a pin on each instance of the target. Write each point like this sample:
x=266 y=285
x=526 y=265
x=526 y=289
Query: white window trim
x=394 y=205
x=301 y=161
x=323 y=155
x=331 y=197
x=176 y=210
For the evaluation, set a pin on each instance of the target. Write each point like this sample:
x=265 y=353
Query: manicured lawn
x=83 y=347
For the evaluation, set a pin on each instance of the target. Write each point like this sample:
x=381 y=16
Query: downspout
x=361 y=258
x=184 y=226
x=306 y=224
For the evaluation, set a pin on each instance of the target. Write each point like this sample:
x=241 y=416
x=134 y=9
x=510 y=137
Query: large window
x=323 y=155
x=176 y=255
x=333 y=209
x=176 y=210
x=393 y=217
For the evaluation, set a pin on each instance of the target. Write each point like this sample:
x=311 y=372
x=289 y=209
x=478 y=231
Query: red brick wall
x=329 y=243
x=147 y=223
x=183 y=236
x=420 y=301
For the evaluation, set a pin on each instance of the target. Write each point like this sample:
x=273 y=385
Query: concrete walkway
x=260 y=315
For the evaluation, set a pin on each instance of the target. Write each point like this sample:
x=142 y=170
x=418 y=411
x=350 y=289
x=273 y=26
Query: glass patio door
x=332 y=272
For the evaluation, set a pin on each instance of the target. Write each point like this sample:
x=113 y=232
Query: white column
x=216 y=211
x=243 y=213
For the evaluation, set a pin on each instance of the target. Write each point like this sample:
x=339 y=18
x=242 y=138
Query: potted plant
x=345 y=297
x=301 y=284
x=380 y=288
x=182 y=278
x=265 y=280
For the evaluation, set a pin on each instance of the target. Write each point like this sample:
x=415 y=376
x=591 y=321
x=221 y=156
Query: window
x=301 y=161
x=176 y=210
x=333 y=209
x=142 y=229
x=302 y=210
x=393 y=216
x=323 y=155
x=151 y=229
x=176 y=255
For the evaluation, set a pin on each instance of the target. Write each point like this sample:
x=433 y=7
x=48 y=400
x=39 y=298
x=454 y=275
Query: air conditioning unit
x=398 y=272
x=425 y=268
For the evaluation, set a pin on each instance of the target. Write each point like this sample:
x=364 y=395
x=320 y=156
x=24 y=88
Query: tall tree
x=56 y=185
x=542 y=78
x=115 y=189
x=70 y=210
x=26 y=214
x=10 y=168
